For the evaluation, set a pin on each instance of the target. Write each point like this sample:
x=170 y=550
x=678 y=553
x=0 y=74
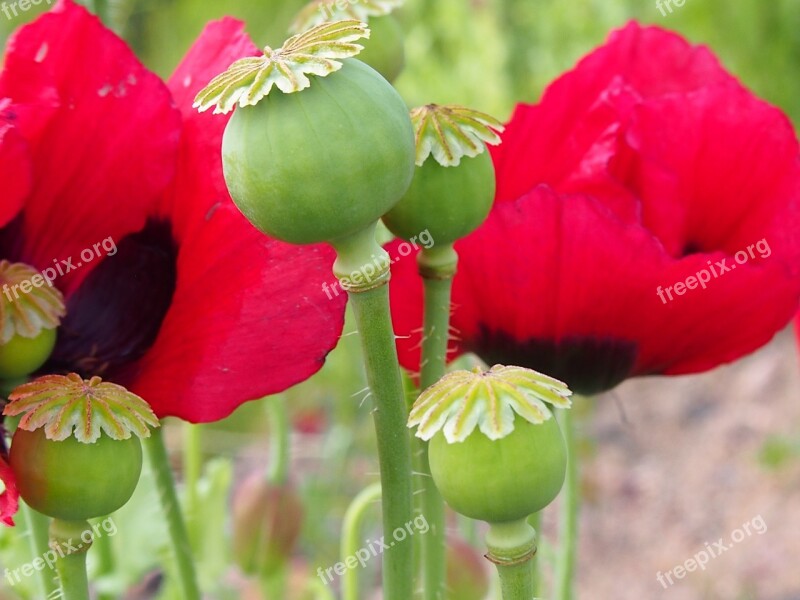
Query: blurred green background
x=492 y=53
x=488 y=54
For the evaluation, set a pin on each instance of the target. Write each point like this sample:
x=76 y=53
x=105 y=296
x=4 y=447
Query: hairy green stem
x=351 y=536
x=365 y=278
x=37 y=525
x=437 y=266
x=192 y=470
x=511 y=548
x=65 y=541
x=179 y=538
x=280 y=438
x=568 y=527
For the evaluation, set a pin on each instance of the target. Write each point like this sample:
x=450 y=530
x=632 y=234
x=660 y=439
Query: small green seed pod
x=76 y=453
x=329 y=156
x=21 y=356
x=454 y=185
x=29 y=317
x=496 y=451
x=384 y=51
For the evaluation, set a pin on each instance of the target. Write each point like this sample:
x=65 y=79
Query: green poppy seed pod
x=503 y=480
x=467 y=577
x=322 y=164
x=30 y=312
x=326 y=158
x=496 y=452
x=267 y=519
x=76 y=453
x=74 y=481
x=21 y=356
x=385 y=49
x=454 y=185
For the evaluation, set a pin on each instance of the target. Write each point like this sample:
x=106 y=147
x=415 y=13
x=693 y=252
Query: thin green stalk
x=192 y=471
x=165 y=483
x=511 y=548
x=568 y=535
x=104 y=550
x=280 y=438
x=351 y=541
x=369 y=298
x=71 y=566
x=437 y=267
x=37 y=525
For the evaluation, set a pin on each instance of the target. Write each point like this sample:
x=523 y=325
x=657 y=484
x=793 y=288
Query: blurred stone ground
x=675 y=464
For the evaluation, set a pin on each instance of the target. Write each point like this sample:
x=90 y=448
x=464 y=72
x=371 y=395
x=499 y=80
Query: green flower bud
x=267 y=519
x=467 y=577
x=385 y=49
x=496 y=452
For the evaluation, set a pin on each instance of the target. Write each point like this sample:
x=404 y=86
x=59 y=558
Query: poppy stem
x=362 y=267
x=71 y=559
x=280 y=438
x=165 y=484
x=535 y=521
x=437 y=266
x=351 y=536
x=192 y=471
x=568 y=528
x=512 y=546
x=37 y=525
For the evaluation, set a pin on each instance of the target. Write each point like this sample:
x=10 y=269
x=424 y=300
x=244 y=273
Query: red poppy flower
x=645 y=222
x=171 y=292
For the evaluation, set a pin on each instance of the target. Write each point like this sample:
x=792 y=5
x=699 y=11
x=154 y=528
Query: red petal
x=109 y=148
x=15 y=171
x=569 y=137
x=549 y=268
x=734 y=172
x=9 y=499
x=199 y=184
x=249 y=318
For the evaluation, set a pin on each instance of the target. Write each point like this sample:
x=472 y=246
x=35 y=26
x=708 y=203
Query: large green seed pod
x=71 y=480
x=322 y=164
x=496 y=452
x=502 y=480
x=454 y=185
x=76 y=453
x=327 y=157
